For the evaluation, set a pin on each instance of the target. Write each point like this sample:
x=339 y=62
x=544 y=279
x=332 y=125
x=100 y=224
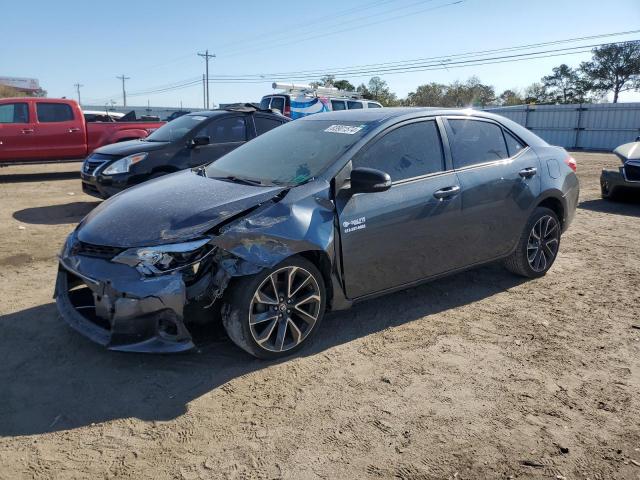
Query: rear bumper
x=129 y=314
x=570 y=198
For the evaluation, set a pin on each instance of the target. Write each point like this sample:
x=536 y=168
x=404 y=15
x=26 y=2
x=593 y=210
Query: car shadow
x=53 y=379
x=627 y=205
x=55 y=214
x=38 y=177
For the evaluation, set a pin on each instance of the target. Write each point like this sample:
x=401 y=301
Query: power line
x=325 y=29
x=323 y=71
x=124 y=92
x=416 y=65
x=326 y=33
x=303 y=25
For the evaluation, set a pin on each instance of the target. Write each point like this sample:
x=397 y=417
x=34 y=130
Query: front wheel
x=606 y=191
x=538 y=245
x=275 y=312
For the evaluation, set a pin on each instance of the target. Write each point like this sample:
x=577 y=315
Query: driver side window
x=225 y=130
x=406 y=152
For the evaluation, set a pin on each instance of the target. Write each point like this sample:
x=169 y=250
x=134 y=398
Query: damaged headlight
x=166 y=258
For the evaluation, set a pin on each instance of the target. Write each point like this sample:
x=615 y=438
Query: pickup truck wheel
x=538 y=245
x=277 y=311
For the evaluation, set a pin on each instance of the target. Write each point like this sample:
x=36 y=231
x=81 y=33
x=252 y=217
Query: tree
x=564 y=85
x=510 y=97
x=362 y=88
x=536 y=93
x=344 y=85
x=428 y=95
x=378 y=90
x=468 y=94
x=614 y=68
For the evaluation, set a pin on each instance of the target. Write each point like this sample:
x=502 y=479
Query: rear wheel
x=275 y=312
x=538 y=245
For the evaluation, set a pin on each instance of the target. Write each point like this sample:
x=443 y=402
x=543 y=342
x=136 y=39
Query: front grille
x=99 y=251
x=96 y=160
x=90 y=166
x=632 y=172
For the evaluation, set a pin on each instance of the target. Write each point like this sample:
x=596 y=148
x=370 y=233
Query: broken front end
x=134 y=299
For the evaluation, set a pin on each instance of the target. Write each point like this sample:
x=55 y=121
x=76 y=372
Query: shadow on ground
x=55 y=214
x=53 y=379
x=628 y=206
x=38 y=177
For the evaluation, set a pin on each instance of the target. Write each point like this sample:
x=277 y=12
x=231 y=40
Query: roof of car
x=240 y=107
x=382 y=114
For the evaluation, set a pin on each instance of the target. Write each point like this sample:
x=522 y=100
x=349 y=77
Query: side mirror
x=200 y=141
x=369 y=180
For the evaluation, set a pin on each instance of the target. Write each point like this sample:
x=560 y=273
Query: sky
x=155 y=42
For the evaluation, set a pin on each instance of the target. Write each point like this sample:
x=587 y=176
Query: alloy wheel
x=284 y=309
x=543 y=243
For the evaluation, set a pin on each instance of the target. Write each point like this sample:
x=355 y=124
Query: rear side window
x=474 y=141
x=226 y=130
x=406 y=152
x=14 y=113
x=264 y=104
x=54 y=112
x=354 y=105
x=264 y=124
x=513 y=144
x=337 y=105
x=277 y=103
x=373 y=105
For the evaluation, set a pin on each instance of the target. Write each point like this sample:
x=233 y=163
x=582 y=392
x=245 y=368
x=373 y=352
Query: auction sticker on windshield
x=346 y=129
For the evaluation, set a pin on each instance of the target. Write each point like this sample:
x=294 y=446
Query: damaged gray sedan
x=314 y=215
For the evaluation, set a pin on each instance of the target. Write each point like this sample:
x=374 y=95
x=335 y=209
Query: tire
x=533 y=258
x=268 y=327
x=606 y=192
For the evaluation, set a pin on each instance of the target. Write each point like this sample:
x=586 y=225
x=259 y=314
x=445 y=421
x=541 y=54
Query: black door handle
x=446 y=192
x=528 y=172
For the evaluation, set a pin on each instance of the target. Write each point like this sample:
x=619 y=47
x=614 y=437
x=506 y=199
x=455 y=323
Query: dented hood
x=169 y=209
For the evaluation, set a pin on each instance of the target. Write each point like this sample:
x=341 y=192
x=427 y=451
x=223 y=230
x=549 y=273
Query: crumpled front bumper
x=113 y=305
x=617 y=181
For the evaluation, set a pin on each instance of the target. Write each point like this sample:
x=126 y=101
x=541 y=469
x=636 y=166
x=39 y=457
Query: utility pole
x=78 y=85
x=206 y=57
x=204 y=94
x=124 y=92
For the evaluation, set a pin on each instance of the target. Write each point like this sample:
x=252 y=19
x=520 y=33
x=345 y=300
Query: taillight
x=287 y=111
x=571 y=162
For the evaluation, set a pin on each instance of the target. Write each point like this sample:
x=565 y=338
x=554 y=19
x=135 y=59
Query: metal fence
x=587 y=126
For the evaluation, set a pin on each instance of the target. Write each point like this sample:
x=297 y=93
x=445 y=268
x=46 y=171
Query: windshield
x=176 y=129
x=290 y=154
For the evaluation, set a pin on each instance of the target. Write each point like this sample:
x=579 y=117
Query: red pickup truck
x=46 y=129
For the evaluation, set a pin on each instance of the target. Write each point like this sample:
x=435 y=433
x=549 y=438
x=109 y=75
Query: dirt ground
x=481 y=375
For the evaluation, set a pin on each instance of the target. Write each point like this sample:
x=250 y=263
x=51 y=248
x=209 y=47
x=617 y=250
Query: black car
x=188 y=141
x=177 y=114
x=323 y=212
x=626 y=179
